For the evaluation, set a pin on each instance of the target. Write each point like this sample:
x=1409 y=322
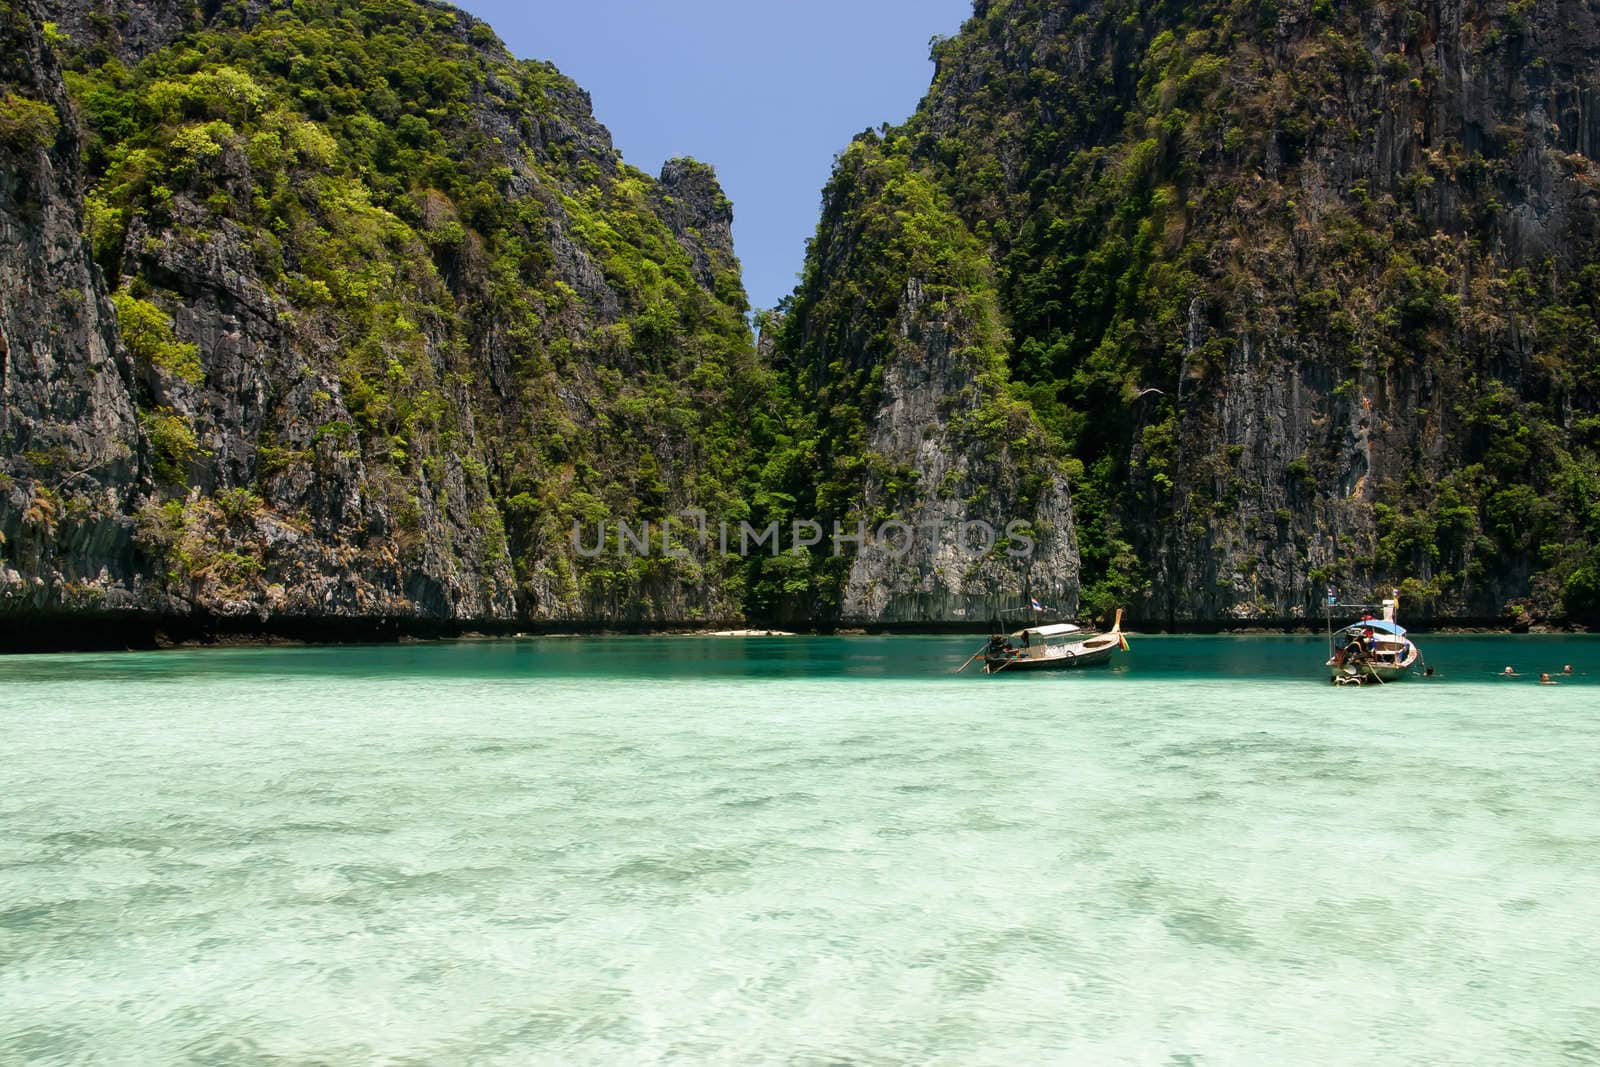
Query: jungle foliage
x=1186 y=202
x=1288 y=302
x=419 y=206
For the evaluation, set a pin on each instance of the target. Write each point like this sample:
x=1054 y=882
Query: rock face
x=688 y=197
x=71 y=455
x=946 y=563
x=380 y=316
x=1304 y=292
x=334 y=311
x=126 y=29
x=894 y=349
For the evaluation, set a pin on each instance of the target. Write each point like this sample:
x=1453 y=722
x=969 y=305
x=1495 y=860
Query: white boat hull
x=1390 y=665
x=1057 y=647
x=1095 y=653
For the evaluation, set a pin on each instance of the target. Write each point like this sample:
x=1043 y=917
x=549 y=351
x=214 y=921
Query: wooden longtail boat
x=1371 y=651
x=1058 y=647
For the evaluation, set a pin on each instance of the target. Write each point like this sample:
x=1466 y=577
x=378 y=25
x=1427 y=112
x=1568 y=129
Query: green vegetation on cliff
x=1304 y=292
x=453 y=297
x=907 y=287
x=1236 y=300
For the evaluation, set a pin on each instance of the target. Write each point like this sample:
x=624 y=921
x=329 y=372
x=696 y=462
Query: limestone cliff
x=335 y=311
x=72 y=459
x=391 y=317
x=894 y=350
x=1303 y=291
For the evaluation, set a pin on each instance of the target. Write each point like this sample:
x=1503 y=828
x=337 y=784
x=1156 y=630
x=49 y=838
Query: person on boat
x=1372 y=642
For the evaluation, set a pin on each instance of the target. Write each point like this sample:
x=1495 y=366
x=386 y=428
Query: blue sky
x=766 y=92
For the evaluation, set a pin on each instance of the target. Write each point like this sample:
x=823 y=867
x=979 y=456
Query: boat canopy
x=1381 y=626
x=1060 y=629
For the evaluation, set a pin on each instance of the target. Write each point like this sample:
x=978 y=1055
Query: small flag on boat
x=1123 y=641
x=1036 y=605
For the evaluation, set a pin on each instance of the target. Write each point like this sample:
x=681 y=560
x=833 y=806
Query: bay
x=798 y=851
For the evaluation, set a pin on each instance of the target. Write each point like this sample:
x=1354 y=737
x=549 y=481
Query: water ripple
x=497 y=854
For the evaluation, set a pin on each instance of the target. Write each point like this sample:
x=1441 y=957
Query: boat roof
x=1379 y=626
x=1060 y=629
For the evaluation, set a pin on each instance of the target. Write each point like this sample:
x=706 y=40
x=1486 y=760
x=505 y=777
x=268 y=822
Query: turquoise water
x=798 y=851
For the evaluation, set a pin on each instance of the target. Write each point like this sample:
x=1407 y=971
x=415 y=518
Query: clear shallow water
x=807 y=851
